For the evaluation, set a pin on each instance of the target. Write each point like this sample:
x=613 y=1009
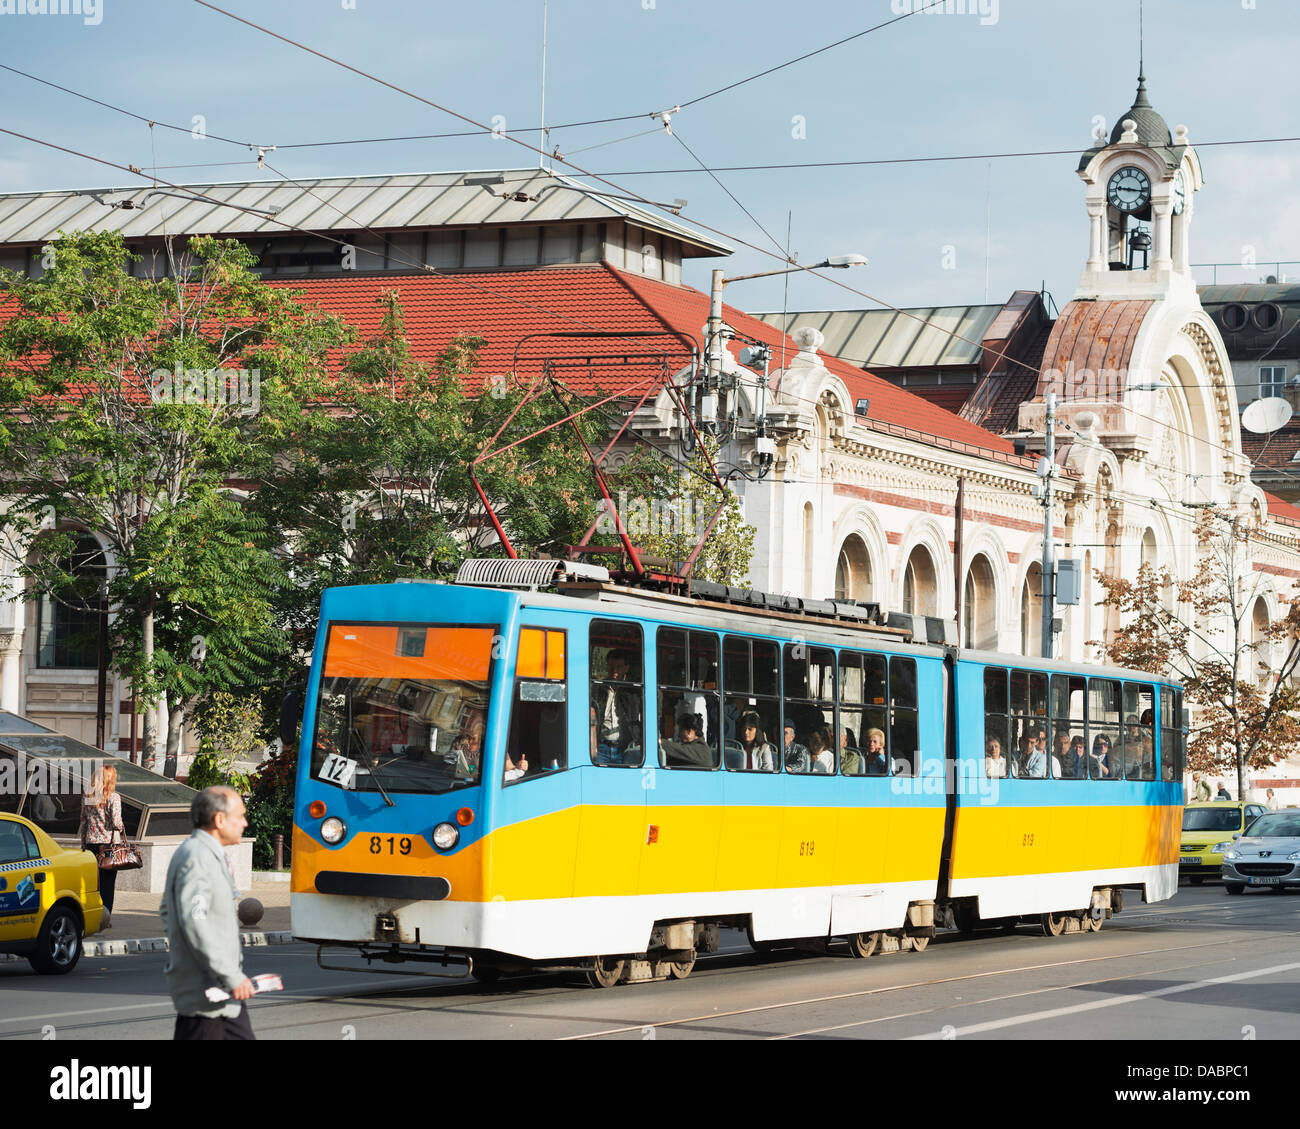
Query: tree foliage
x=671 y=531
x=1240 y=687
x=112 y=420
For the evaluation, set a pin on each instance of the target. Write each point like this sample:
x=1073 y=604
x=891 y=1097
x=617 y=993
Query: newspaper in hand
x=266 y=982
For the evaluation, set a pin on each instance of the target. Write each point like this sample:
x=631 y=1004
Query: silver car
x=1268 y=855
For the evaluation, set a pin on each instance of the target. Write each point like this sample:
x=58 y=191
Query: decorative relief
x=1210 y=358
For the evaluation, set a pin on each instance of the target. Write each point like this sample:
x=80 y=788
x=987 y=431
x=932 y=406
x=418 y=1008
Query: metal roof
x=347 y=203
x=925 y=337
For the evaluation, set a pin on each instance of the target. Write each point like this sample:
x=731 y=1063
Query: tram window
x=751 y=721
x=1170 y=768
x=391 y=718
x=995 y=691
x=850 y=679
x=904 y=738
x=996 y=760
x=616 y=710
x=538 y=741
x=1020 y=693
x=808 y=742
x=852 y=739
x=1069 y=727
x=767 y=674
x=1030 y=755
x=1139 y=731
x=1105 y=752
x=689 y=707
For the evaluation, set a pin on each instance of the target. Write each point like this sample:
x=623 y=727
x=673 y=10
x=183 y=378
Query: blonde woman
x=101 y=819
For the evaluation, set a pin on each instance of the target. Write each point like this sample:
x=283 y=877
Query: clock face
x=1180 y=193
x=1129 y=189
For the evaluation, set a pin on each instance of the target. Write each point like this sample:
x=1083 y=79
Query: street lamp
x=713 y=372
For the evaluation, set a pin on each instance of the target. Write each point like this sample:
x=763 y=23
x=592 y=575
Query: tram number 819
x=395 y=846
x=806 y=848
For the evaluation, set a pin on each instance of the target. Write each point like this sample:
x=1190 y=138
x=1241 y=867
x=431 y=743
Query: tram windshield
x=403 y=707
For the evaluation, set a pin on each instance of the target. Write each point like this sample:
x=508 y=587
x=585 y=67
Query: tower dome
x=1152 y=129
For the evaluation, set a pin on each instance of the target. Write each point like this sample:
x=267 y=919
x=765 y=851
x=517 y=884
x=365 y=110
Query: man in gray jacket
x=198 y=912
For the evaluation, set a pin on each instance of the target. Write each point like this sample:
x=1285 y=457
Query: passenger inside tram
x=876 y=765
x=793 y=754
x=995 y=764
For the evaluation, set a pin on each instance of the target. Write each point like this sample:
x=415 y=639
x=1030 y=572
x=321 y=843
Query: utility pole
x=1047 y=470
x=713 y=357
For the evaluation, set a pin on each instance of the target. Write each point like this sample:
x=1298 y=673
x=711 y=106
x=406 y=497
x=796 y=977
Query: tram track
x=532 y=1000
x=936 y=982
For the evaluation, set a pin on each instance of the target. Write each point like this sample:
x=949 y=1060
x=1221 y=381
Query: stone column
x=1097 y=240
x=11 y=671
x=1162 y=263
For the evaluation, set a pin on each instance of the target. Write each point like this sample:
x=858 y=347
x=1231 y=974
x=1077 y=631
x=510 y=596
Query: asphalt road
x=1203 y=966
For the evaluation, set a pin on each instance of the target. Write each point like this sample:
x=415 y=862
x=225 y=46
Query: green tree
x=378 y=487
x=1241 y=689
x=118 y=414
x=669 y=526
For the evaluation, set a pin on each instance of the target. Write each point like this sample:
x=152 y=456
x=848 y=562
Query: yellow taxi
x=1206 y=826
x=49 y=897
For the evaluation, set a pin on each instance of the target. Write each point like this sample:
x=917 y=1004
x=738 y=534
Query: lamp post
x=713 y=371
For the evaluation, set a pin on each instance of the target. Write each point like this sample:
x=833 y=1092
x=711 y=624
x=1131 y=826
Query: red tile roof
x=1282 y=511
x=505 y=307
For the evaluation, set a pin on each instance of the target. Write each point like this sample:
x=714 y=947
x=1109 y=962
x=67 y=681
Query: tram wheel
x=605 y=972
x=919 y=944
x=1053 y=924
x=680 y=969
x=863 y=944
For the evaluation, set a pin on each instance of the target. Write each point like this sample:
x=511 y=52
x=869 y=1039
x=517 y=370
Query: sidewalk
x=137 y=926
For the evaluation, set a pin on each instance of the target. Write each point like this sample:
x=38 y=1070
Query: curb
x=159 y=945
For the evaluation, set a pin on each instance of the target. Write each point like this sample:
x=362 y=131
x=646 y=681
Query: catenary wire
x=534 y=149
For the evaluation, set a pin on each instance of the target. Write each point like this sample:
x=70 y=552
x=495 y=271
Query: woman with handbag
x=101 y=821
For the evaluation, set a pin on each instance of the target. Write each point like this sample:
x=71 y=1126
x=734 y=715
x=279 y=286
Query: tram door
x=533 y=850
x=683 y=789
x=613 y=771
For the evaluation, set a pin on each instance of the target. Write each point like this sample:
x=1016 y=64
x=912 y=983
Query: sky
x=987 y=76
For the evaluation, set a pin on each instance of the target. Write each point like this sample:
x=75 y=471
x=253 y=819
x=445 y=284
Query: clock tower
x=1140 y=190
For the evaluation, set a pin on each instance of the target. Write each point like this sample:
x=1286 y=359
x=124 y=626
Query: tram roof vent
x=501 y=572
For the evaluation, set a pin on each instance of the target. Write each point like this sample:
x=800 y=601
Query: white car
x=1268 y=855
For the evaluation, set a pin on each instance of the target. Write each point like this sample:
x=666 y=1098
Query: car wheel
x=1196 y=879
x=58 y=943
x=1234 y=887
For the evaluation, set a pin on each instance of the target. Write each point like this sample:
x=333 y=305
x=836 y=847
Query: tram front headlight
x=333 y=830
x=446 y=836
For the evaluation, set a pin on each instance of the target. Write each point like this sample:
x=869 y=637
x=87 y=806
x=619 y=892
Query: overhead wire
x=580 y=171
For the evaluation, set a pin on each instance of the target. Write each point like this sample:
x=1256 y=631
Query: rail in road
x=1203 y=966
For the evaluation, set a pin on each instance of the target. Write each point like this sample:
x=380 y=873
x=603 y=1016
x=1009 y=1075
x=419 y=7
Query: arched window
x=67 y=626
x=1149 y=548
x=979 y=611
x=1261 y=661
x=853 y=571
x=920 y=590
x=1031 y=611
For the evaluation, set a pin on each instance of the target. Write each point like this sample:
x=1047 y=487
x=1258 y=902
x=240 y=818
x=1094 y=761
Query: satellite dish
x=1266 y=415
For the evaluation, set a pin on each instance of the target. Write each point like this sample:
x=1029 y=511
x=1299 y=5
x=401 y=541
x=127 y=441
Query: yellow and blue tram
x=532 y=769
